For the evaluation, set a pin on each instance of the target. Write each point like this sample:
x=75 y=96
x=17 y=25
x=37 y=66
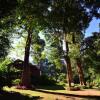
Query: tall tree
x=29 y=19
x=67 y=61
x=26 y=70
x=80 y=71
x=90 y=51
x=75 y=53
x=70 y=16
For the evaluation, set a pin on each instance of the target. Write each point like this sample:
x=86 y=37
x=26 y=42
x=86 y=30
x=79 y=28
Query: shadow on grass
x=52 y=87
x=16 y=96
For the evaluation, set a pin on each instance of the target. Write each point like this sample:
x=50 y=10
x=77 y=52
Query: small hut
x=18 y=64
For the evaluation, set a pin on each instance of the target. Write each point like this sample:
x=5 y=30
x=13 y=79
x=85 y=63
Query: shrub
x=96 y=81
x=4 y=72
x=42 y=80
x=16 y=81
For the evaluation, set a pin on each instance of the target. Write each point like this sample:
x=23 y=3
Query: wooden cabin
x=18 y=64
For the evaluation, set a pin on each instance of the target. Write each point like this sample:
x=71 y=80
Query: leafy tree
x=3 y=66
x=75 y=55
x=53 y=48
x=17 y=48
x=37 y=47
x=4 y=72
x=64 y=15
x=90 y=54
x=4 y=45
x=29 y=19
x=53 y=53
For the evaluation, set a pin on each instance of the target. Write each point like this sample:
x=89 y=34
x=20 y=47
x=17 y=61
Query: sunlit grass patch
x=24 y=92
x=33 y=93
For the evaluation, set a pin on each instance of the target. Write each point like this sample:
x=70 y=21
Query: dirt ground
x=87 y=94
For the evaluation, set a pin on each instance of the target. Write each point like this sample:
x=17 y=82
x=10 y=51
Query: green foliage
x=74 y=50
x=53 y=56
x=43 y=80
x=3 y=65
x=16 y=81
x=53 y=49
x=4 y=72
x=52 y=52
x=4 y=44
x=91 y=58
x=96 y=81
x=62 y=77
x=8 y=74
x=37 y=47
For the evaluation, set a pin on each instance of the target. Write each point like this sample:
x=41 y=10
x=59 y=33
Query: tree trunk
x=69 y=70
x=80 y=72
x=67 y=61
x=26 y=79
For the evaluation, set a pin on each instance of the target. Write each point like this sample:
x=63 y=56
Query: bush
x=4 y=72
x=76 y=79
x=42 y=80
x=16 y=81
x=62 y=78
x=96 y=81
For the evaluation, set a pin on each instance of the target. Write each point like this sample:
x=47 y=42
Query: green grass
x=32 y=93
x=41 y=92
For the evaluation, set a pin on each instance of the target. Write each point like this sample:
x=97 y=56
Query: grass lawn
x=41 y=95
x=48 y=93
